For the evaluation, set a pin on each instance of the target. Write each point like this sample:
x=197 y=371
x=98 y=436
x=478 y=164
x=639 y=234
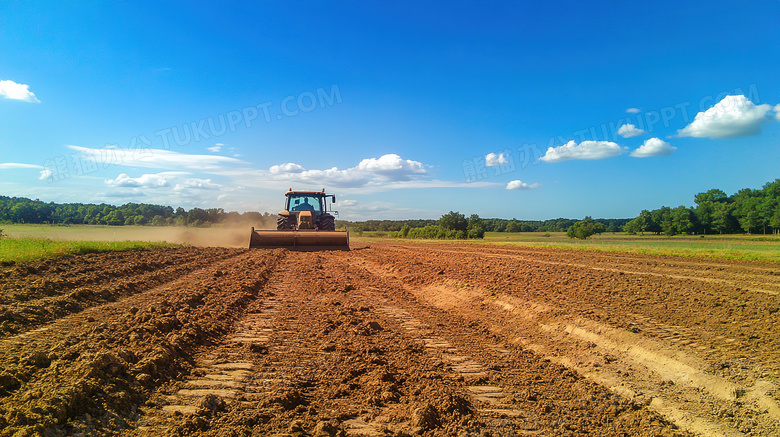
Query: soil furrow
x=89 y=372
x=39 y=292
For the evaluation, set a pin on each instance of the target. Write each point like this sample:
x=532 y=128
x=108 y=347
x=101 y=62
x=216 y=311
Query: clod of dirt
x=388 y=396
x=425 y=417
x=210 y=404
x=369 y=328
x=288 y=399
x=454 y=404
x=143 y=378
x=8 y=383
x=107 y=364
x=37 y=359
x=258 y=348
x=324 y=428
x=295 y=426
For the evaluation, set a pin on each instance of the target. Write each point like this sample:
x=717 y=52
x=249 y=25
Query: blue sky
x=531 y=110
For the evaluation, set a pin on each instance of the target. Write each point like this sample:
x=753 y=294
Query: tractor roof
x=310 y=193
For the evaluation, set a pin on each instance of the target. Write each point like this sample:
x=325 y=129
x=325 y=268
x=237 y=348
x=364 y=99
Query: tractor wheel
x=283 y=223
x=327 y=223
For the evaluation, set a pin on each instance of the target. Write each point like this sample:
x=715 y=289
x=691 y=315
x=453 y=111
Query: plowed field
x=389 y=339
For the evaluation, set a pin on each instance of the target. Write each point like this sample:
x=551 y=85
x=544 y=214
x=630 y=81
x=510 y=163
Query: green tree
x=115 y=218
x=633 y=227
x=711 y=196
x=454 y=220
x=682 y=220
x=663 y=216
x=585 y=228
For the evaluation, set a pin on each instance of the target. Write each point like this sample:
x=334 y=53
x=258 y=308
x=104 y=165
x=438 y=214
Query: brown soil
x=389 y=339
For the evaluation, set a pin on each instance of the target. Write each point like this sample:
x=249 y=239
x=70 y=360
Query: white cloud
x=13 y=165
x=777 y=112
x=493 y=160
x=734 y=116
x=584 y=150
x=520 y=185
x=17 y=91
x=653 y=147
x=198 y=184
x=157 y=158
x=387 y=169
x=216 y=148
x=158 y=180
x=289 y=167
x=633 y=110
x=629 y=130
x=391 y=164
x=45 y=172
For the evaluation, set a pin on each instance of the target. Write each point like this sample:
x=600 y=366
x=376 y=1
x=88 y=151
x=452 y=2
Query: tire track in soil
x=463 y=366
x=224 y=375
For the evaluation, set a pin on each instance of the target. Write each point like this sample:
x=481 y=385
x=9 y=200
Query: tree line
x=24 y=210
x=489 y=224
x=748 y=210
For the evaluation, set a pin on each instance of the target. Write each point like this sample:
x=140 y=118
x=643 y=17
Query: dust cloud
x=219 y=236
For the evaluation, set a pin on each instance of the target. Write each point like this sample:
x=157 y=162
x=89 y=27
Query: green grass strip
x=31 y=248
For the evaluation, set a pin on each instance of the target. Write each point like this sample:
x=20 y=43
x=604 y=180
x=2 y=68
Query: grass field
x=31 y=241
x=29 y=248
x=745 y=247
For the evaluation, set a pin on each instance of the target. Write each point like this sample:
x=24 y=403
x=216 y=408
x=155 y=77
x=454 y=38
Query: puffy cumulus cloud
x=583 y=150
x=17 y=91
x=390 y=164
x=286 y=168
x=197 y=184
x=653 y=147
x=386 y=169
x=629 y=130
x=520 y=185
x=734 y=116
x=45 y=174
x=777 y=112
x=493 y=160
x=633 y=110
x=158 y=180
